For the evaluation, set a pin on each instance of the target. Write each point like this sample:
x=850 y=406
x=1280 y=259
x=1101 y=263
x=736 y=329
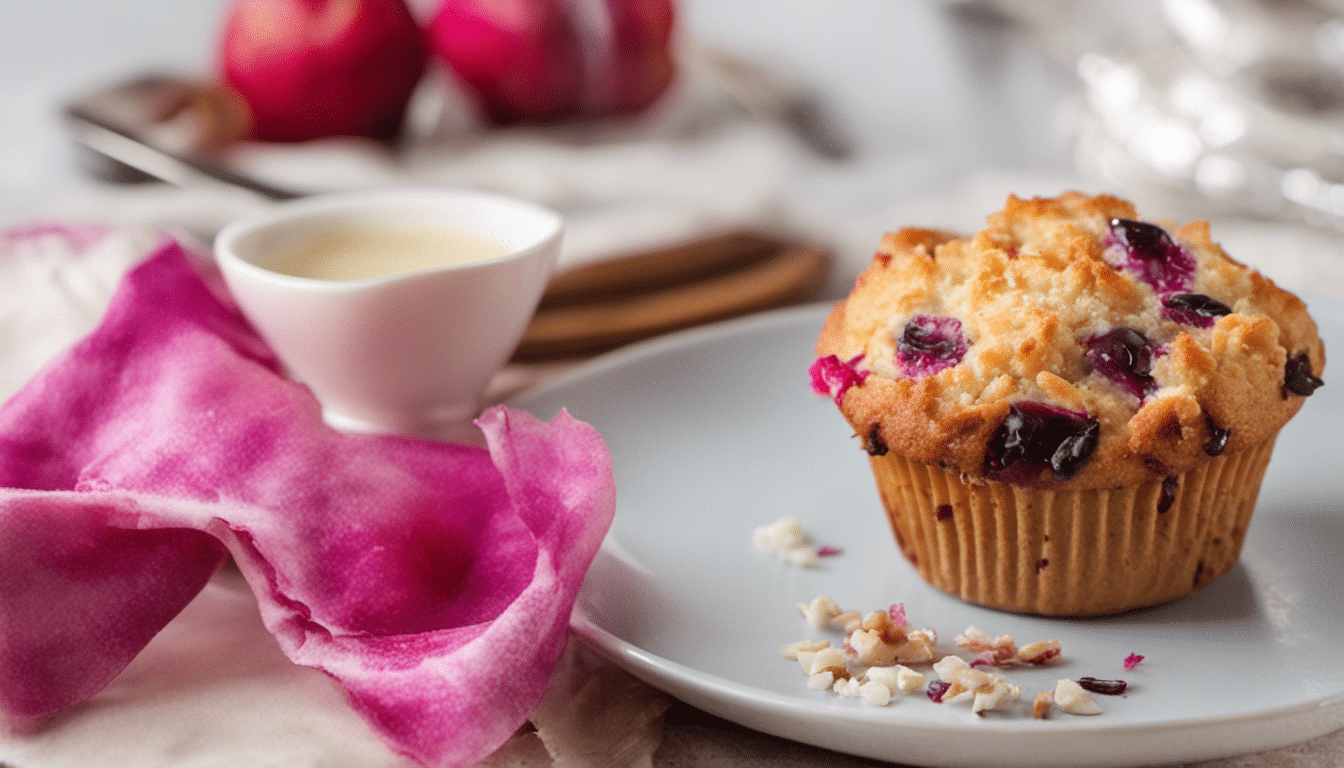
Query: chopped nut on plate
x=791 y=650
x=899 y=678
x=872 y=649
x=1039 y=652
x=784 y=533
x=875 y=693
x=1045 y=701
x=871 y=664
x=1071 y=698
x=828 y=660
x=786 y=540
x=986 y=690
x=847 y=687
x=996 y=651
x=820 y=611
x=848 y=621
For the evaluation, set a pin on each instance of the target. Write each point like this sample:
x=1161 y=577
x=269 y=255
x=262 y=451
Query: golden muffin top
x=1067 y=344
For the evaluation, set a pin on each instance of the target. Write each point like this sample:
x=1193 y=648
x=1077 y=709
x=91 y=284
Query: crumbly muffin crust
x=1032 y=293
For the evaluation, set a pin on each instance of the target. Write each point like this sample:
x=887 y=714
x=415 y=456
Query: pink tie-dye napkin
x=433 y=581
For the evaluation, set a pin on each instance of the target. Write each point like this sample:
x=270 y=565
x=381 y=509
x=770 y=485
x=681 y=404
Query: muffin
x=1069 y=413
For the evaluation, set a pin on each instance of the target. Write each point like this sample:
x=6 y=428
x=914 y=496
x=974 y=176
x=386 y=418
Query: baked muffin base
x=1071 y=552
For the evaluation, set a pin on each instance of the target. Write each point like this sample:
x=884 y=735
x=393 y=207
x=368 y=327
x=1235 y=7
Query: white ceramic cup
x=408 y=353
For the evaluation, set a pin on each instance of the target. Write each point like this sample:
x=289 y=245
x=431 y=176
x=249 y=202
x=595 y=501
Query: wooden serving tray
x=596 y=307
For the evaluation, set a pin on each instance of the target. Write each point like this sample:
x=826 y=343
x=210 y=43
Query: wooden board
x=618 y=315
x=660 y=268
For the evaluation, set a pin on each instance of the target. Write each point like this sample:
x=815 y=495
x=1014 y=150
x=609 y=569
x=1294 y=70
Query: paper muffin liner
x=1071 y=552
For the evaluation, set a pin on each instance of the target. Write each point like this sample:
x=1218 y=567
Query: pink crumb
x=897 y=614
x=833 y=377
x=826 y=550
x=1132 y=661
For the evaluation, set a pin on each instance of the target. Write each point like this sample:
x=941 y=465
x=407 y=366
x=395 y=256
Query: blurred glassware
x=1239 y=102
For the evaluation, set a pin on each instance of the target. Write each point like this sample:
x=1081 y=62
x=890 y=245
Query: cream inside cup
x=395 y=307
x=363 y=252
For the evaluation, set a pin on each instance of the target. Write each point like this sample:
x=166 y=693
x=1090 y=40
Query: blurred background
x=900 y=77
x=787 y=126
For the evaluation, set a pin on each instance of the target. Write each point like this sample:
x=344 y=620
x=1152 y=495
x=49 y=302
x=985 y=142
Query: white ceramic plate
x=715 y=431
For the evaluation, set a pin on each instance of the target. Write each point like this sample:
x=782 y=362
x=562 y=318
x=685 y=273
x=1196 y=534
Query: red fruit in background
x=519 y=57
x=641 y=66
x=541 y=60
x=314 y=68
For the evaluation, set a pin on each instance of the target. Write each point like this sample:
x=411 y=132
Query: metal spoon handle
x=125 y=146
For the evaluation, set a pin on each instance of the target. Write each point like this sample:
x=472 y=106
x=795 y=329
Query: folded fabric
x=433 y=581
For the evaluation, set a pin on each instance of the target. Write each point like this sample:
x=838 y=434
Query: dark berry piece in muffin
x=1297 y=376
x=929 y=344
x=1194 y=309
x=1124 y=356
x=1152 y=256
x=1037 y=436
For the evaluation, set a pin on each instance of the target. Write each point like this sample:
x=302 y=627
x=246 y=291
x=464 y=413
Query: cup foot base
x=448 y=431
